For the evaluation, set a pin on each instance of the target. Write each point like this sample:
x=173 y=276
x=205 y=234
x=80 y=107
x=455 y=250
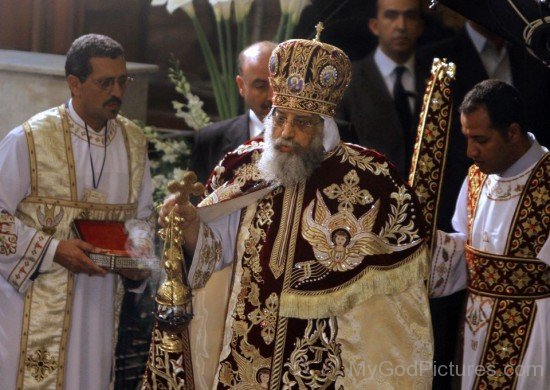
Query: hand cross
x=188 y=186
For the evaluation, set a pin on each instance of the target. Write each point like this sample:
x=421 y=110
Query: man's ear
x=74 y=84
x=514 y=132
x=373 y=26
x=240 y=83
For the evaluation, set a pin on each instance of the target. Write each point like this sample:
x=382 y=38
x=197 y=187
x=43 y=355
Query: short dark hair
x=502 y=101
x=373 y=9
x=86 y=47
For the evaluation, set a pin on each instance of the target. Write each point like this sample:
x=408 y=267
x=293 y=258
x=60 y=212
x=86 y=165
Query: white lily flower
x=172 y=5
x=242 y=8
x=179 y=173
x=295 y=9
x=158 y=181
x=285 y=5
x=222 y=9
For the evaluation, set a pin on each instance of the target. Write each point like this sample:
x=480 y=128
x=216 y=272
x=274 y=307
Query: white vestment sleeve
x=448 y=269
x=215 y=248
x=141 y=230
x=18 y=241
x=544 y=253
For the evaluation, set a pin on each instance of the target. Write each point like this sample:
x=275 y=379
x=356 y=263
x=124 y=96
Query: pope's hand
x=187 y=213
x=70 y=254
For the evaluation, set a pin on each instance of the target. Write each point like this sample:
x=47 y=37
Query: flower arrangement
x=169 y=155
x=228 y=13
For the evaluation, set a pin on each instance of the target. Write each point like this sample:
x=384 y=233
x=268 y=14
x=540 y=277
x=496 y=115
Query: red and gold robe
x=280 y=303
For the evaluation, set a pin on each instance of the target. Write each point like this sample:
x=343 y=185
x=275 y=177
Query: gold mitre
x=309 y=75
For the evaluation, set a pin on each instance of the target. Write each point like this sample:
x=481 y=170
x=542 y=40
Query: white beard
x=289 y=169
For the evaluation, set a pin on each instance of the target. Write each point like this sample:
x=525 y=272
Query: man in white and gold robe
x=58 y=310
x=501 y=250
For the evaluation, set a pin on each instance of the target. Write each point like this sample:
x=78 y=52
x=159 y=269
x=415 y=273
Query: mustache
x=113 y=100
x=288 y=143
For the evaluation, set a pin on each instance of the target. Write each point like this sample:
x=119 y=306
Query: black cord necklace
x=90 y=154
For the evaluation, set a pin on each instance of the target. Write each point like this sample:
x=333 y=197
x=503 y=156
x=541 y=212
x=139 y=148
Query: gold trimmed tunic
x=46 y=329
x=503 y=225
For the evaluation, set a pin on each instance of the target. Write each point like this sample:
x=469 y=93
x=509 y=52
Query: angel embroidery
x=341 y=241
x=49 y=219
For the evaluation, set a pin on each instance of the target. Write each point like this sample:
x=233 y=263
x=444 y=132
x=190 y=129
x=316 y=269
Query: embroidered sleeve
x=21 y=251
x=22 y=248
x=448 y=269
x=210 y=255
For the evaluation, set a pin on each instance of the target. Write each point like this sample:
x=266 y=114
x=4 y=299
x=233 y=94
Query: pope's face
x=295 y=127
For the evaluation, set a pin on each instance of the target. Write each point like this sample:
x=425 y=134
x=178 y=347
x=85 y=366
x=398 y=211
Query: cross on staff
x=182 y=189
x=188 y=186
x=318 y=28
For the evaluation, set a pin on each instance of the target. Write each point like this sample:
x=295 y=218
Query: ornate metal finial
x=174 y=295
x=433 y=3
x=318 y=27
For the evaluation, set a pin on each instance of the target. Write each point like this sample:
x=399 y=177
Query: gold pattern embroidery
x=349 y=193
x=209 y=255
x=315 y=362
x=288 y=229
x=500 y=190
x=340 y=242
x=356 y=159
x=394 y=229
x=97 y=139
x=248 y=171
x=41 y=363
x=267 y=318
x=254 y=243
x=252 y=369
x=8 y=238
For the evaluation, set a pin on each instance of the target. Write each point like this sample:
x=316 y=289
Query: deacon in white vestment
x=58 y=316
x=500 y=250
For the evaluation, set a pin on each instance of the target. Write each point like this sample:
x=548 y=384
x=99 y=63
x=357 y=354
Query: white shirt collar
x=387 y=65
x=478 y=40
x=255 y=125
x=533 y=154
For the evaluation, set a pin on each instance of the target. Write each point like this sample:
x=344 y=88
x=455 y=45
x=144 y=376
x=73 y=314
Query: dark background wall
x=151 y=35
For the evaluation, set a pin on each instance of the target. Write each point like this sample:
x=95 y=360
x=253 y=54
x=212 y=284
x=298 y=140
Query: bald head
x=253 y=77
x=254 y=53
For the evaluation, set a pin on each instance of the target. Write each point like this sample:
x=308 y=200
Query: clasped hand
x=187 y=213
x=188 y=219
x=71 y=255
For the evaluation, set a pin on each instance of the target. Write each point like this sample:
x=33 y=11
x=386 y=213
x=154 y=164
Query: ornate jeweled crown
x=309 y=75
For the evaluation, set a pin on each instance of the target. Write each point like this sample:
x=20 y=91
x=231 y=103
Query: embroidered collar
x=97 y=138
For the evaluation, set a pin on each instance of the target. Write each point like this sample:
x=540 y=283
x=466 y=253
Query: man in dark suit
x=214 y=141
x=372 y=103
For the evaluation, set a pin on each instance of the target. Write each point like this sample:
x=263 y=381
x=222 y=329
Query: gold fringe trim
x=375 y=281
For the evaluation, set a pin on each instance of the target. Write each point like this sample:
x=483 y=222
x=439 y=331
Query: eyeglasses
x=107 y=84
x=302 y=124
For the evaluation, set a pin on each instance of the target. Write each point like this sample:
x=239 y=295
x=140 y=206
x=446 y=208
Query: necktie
x=401 y=101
